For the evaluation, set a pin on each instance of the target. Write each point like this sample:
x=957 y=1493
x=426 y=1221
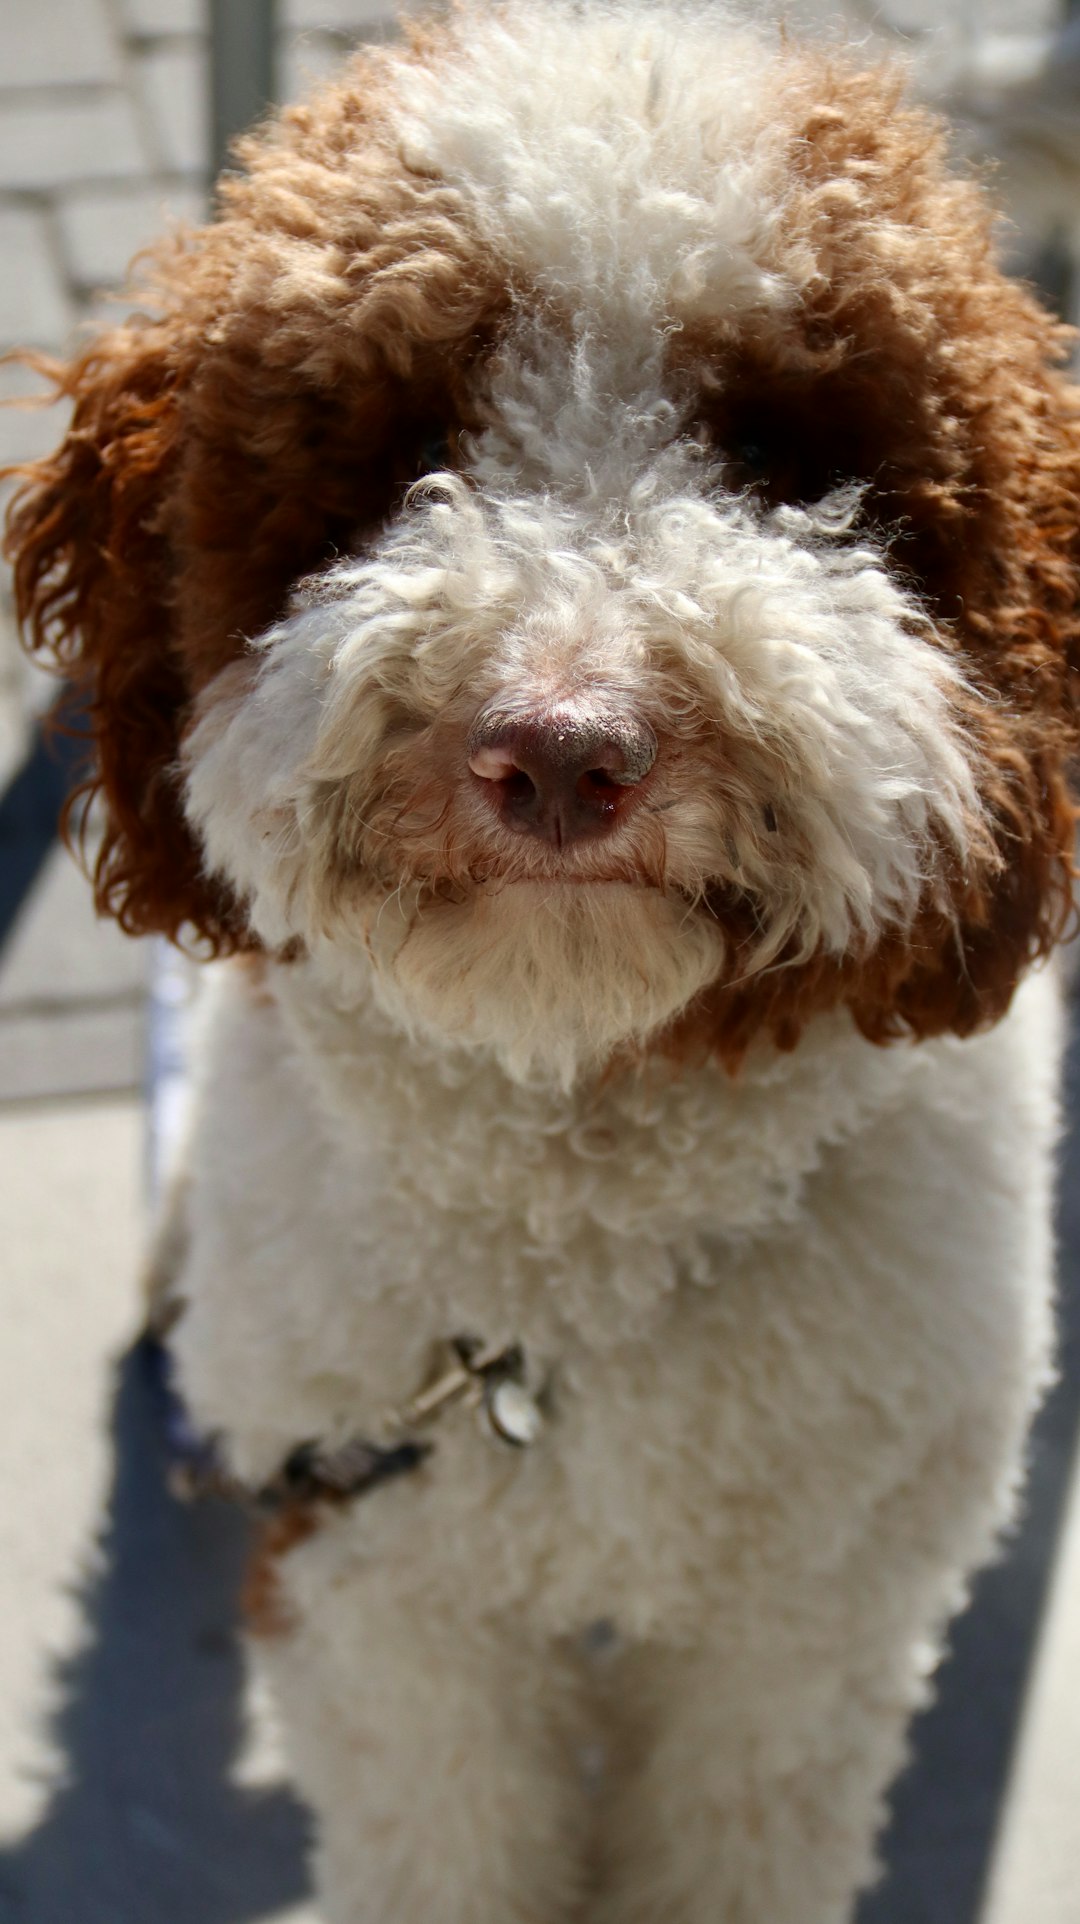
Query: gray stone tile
x=102 y=228
x=346 y=16
x=72 y=993
x=70 y=1227
x=310 y=52
x=46 y=143
x=71 y=1050
x=1036 y=1873
x=980 y=17
x=25 y=690
x=63 y=41
x=26 y=430
x=142 y=1783
x=34 y=304
x=159 y=18
x=14 y=721
x=61 y=953
x=174 y=79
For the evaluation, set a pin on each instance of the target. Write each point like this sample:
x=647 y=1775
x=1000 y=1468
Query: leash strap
x=488 y=1377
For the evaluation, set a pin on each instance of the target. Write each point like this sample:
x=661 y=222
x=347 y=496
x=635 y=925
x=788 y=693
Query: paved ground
x=139 y=1784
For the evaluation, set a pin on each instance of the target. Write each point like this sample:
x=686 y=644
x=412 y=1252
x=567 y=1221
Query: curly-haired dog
x=575 y=581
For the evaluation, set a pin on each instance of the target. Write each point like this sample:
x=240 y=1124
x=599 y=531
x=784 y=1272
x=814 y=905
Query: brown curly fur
x=306 y=346
x=917 y=368
x=311 y=340
x=262 y=1603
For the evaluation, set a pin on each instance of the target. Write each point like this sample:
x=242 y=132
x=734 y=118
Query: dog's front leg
x=747 y=1793
x=440 y=1756
x=747 y=1773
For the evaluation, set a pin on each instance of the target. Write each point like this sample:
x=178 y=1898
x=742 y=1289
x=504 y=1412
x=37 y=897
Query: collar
x=489 y=1378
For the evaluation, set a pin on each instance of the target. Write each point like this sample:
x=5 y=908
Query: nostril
x=601 y=788
x=518 y=788
x=514 y=787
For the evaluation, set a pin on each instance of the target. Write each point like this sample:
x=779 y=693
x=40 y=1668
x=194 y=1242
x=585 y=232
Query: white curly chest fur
x=806 y=1271
x=796 y=1323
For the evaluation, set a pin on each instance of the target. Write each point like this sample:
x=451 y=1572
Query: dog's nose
x=564 y=772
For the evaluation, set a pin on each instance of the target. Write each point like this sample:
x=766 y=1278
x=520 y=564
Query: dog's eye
x=786 y=440
x=423 y=448
x=750 y=455
x=754 y=461
x=760 y=459
x=436 y=452
x=781 y=462
x=756 y=456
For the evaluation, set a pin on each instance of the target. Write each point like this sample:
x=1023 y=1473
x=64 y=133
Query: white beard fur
x=506 y=973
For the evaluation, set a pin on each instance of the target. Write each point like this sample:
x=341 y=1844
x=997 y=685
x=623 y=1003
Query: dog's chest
x=755 y=1295
x=357 y=1204
x=646 y=1152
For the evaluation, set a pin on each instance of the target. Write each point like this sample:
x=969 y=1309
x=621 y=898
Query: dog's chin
x=551 y=979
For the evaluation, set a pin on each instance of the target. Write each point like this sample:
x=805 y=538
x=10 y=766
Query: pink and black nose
x=563 y=773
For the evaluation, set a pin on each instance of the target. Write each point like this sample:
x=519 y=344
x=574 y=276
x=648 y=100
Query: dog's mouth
x=737 y=914
x=491 y=882
x=552 y=973
x=716 y=896
x=605 y=879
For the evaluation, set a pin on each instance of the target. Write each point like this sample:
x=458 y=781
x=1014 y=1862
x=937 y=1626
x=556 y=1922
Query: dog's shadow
x=146 y=1824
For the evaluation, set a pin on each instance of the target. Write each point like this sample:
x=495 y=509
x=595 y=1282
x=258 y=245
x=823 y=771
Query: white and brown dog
x=575 y=578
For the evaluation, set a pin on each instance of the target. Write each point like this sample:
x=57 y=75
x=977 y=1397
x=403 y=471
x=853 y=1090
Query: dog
x=574 y=576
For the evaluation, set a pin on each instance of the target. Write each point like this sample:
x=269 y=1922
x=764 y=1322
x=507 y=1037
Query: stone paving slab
x=31 y=427
x=70 y=1225
x=49 y=143
x=1035 y=1873
x=101 y=229
x=72 y=988
x=85 y=1048
x=35 y=306
x=60 y=951
x=307 y=59
x=174 y=78
x=26 y=690
x=13 y=727
x=140 y=1775
x=971 y=19
x=345 y=16
x=160 y=18
x=57 y=43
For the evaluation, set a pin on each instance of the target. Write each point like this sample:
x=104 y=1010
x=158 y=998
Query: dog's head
x=588 y=537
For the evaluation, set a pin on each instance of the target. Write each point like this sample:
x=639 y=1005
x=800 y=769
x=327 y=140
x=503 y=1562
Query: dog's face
x=587 y=544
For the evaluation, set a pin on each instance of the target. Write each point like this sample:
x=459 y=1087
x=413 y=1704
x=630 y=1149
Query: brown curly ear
x=92 y=570
x=938 y=380
x=978 y=490
x=303 y=350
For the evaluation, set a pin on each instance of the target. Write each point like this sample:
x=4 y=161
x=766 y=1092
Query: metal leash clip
x=486 y=1376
